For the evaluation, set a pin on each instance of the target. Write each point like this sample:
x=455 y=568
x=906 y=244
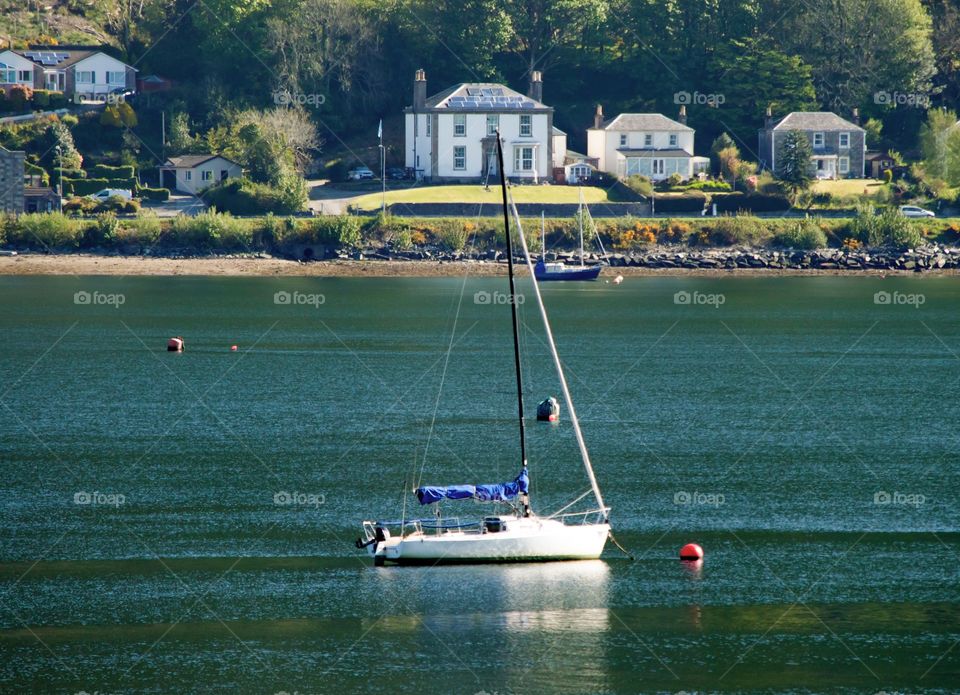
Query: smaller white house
x=578 y=168
x=192 y=173
x=649 y=144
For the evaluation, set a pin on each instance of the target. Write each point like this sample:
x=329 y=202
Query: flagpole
x=383 y=172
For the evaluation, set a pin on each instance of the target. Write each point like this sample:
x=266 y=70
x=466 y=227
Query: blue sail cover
x=487 y=493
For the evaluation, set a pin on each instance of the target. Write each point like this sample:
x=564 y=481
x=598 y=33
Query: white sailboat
x=523 y=535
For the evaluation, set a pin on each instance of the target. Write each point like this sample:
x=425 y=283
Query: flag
x=380 y=130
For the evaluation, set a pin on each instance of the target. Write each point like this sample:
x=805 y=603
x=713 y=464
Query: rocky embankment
x=931 y=257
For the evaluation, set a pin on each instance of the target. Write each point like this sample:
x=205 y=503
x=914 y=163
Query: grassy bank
x=479 y=194
x=211 y=232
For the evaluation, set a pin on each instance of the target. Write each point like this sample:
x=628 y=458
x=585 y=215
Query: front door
x=54 y=81
x=492 y=170
x=658 y=167
x=223 y=174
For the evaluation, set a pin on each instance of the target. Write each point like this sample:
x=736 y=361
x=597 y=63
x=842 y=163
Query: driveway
x=177 y=205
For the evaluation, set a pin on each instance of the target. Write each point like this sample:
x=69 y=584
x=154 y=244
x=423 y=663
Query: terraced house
x=451 y=136
x=839 y=145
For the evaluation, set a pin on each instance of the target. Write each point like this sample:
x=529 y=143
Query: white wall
x=100 y=64
x=417 y=147
x=559 y=150
x=196 y=182
x=476 y=131
x=18 y=63
x=604 y=144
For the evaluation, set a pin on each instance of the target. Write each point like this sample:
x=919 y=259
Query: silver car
x=914 y=211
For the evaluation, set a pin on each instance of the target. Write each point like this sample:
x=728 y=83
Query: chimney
x=682 y=118
x=536 y=86
x=768 y=121
x=420 y=91
x=856 y=116
x=598 y=117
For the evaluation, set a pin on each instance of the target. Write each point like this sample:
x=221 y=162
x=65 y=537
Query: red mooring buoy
x=691 y=551
x=175 y=344
x=233 y=348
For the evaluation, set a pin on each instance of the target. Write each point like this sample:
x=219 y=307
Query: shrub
x=102 y=231
x=210 y=230
x=452 y=234
x=34 y=170
x=154 y=193
x=107 y=171
x=888 y=228
x=83 y=206
x=48 y=230
x=640 y=185
x=806 y=234
x=332 y=230
x=41 y=98
x=707 y=186
x=241 y=196
x=675 y=179
x=18 y=97
x=85 y=186
x=888 y=176
x=740 y=229
x=58 y=100
x=144 y=229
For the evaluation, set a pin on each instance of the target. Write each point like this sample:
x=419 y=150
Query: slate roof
x=189 y=161
x=814 y=120
x=643 y=122
x=483 y=97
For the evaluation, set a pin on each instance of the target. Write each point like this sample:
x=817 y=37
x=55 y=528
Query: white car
x=360 y=173
x=111 y=193
x=914 y=211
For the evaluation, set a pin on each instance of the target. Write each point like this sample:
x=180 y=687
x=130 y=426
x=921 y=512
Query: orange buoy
x=691 y=551
x=233 y=348
x=175 y=344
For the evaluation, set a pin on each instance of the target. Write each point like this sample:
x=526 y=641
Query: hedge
x=88 y=186
x=754 y=202
x=694 y=202
x=106 y=171
x=154 y=193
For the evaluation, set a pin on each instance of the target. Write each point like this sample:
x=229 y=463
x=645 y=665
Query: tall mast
x=580 y=217
x=513 y=300
x=584 y=455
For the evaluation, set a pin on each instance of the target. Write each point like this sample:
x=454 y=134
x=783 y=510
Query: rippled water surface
x=803 y=430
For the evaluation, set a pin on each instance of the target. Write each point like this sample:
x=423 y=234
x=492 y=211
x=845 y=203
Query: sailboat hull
x=568 y=273
x=523 y=540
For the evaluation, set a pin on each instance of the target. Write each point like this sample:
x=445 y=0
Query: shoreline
x=222 y=266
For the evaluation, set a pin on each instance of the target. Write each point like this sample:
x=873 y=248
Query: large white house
x=80 y=73
x=648 y=144
x=451 y=136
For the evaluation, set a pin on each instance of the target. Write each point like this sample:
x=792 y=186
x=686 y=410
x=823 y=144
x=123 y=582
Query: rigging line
x=453 y=333
x=584 y=455
x=566 y=507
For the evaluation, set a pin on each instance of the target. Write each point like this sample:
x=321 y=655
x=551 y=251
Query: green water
x=804 y=434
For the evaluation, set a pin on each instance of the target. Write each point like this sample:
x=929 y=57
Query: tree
x=940 y=145
x=752 y=78
x=179 y=140
x=860 y=48
x=874 y=128
x=540 y=27
x=58 y=135
x=794 y=162
x=722 y=142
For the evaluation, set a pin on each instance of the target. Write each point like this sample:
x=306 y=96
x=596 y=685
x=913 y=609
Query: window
x=493 y=122
x=845 y=141
x=673 y=139
x=460 y=125
x=206 y=176
x=647 y=140
x=26 y=76
x=844 y=165
x=818 y=139
x=459 y=157
x=116 y=78
x=623 y=139
x=187 y=175
x=526 y=125
x=658 y=166
x=523 y=159
x=86 y=77
x=7 y=74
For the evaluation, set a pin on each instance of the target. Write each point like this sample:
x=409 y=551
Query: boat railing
x=420 y=525
x=591 y=516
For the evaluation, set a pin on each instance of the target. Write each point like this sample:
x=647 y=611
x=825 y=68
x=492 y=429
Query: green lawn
x=844 y=187
x=477 y=194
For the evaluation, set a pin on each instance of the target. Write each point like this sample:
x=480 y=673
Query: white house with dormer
x=451 y=136
x=82 y=74
x=649 y=144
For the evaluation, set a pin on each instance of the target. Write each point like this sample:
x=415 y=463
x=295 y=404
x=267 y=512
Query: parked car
x=106 y=193
x=360 y=173
x=396 y=173
x=914 y=211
